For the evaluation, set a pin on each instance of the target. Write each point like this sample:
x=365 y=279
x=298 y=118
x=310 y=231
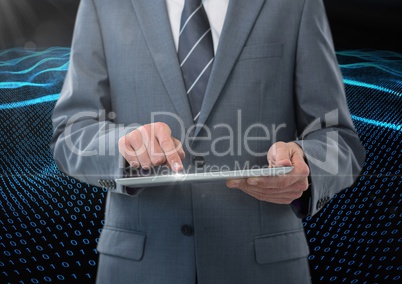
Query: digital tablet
x=148 y=179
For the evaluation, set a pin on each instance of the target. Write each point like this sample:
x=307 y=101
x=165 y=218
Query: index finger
x=166 y=142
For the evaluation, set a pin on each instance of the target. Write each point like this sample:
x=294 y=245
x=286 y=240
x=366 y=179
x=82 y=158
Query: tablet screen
x=148 y=178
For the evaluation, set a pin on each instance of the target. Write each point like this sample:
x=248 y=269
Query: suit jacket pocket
x=261 y=51
x=281 y=247
x=122 y=243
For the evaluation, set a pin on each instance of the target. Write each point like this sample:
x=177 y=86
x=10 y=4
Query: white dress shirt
x=215 y=9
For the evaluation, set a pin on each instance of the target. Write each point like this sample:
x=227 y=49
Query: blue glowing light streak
x=21 y=68
x=63 y=67
x=377 y=123
x=44 y=99
x=370 y=86
x=15 y=85
x=368 y=55
x=61 y=52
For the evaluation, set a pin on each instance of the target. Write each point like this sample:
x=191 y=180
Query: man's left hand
x=278 y=189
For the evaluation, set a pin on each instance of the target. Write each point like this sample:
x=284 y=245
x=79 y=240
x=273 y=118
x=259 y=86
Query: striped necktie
x=195 y=52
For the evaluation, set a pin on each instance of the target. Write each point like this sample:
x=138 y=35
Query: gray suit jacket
x=275 y=77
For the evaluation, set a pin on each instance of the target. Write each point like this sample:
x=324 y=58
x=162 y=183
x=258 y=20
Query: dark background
x=37 y=23
x=50 y=223
x=375 y=24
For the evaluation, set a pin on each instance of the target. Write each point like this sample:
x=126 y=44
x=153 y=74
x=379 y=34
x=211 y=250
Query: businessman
x=202 y=86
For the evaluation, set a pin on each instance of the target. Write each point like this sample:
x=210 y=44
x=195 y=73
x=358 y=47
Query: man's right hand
x=152 y=145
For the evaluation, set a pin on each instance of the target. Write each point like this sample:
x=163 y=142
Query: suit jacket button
x=198 y=161
x=187 y=230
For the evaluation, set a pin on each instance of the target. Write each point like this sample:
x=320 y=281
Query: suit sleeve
x=326 y=133
x=84 y=142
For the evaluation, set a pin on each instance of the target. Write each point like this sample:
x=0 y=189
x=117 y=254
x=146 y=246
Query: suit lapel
x=154 y=21
x=239 y=21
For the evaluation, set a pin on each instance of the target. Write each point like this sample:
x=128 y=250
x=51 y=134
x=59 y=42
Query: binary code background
x=50 y=223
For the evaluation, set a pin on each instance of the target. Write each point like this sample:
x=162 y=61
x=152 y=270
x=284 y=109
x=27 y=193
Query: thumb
x=280 y=155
